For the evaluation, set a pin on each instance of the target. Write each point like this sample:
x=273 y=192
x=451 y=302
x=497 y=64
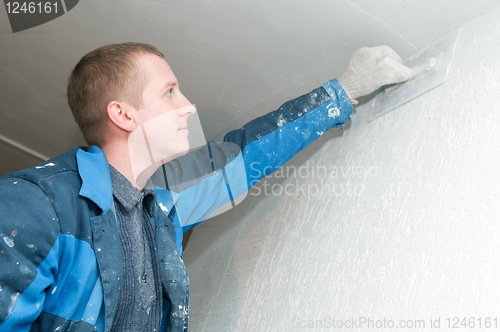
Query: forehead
x=157 y=69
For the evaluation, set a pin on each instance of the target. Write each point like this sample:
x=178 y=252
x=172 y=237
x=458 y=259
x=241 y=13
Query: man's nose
x=186 y=107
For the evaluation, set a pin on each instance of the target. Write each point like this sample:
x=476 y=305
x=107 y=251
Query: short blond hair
x=108 y=73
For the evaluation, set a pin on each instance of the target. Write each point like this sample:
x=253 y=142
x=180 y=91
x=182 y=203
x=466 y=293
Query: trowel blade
x=395 y=96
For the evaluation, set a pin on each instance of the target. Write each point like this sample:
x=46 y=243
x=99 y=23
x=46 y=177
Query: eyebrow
x=168 y=85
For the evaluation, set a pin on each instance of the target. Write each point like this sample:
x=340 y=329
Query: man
x=88 y=244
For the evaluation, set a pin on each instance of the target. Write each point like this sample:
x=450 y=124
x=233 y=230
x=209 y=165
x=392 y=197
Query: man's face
x=164 y=111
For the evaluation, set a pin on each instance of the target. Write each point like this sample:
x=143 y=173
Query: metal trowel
x=429 y=69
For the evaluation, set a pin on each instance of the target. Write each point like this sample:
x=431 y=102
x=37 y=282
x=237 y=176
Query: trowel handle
x=394 y=70
x=428 y=65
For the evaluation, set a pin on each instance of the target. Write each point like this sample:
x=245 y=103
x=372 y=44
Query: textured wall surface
x=403 y=226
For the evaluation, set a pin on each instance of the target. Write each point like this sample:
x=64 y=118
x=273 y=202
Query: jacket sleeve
x=271 y=140
x=213 y=179
x=28 y=230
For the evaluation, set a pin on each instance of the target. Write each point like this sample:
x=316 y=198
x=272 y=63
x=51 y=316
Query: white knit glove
x=371 y=68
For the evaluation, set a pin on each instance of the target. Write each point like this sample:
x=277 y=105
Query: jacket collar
x=93 y=168
x=94 y=171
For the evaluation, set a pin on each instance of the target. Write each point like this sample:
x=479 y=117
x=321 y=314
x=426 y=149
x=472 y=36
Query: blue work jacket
x=61 y=261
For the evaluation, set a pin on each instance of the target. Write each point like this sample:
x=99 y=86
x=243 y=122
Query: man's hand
x=371 y=68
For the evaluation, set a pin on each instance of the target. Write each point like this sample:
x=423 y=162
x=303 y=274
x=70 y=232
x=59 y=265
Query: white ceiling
x=235 y=60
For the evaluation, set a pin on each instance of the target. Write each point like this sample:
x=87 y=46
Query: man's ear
x=121 y=115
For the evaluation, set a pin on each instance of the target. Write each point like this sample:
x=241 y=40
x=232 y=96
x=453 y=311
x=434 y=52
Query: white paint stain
x=281 y=122
x=163 y=208
x=8 y=241
x=12 y=303
x=333 y=112
x=24 y=269
x=46 y=165
x=54 y=290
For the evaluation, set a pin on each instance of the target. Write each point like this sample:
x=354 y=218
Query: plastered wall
x=402 y=227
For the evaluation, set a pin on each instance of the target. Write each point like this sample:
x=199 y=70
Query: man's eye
x=169 y=92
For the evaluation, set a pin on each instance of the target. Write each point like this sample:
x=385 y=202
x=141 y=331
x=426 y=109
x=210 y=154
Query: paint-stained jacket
x=61 y=262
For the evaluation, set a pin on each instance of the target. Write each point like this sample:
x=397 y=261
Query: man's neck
x=137 y=169
x=118 y=157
